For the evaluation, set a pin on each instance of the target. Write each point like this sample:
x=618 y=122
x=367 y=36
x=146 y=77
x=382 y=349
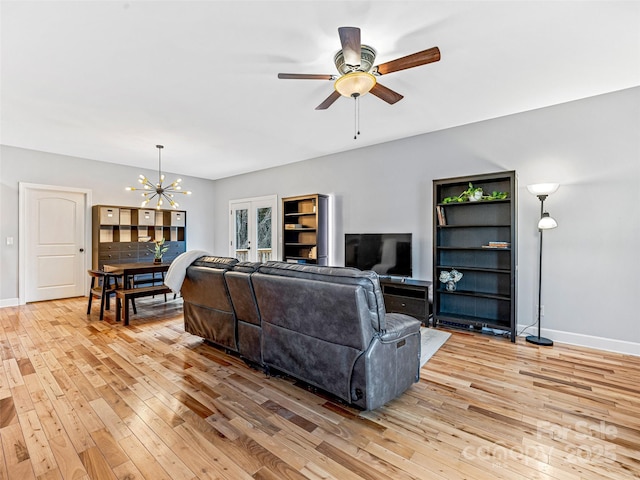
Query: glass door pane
x=241 y=243
x=264 y=229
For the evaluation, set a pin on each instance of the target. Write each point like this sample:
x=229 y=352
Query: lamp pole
x=538 y=340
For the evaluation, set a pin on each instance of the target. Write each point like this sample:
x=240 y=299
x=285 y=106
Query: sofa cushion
x=216 y=262
x=242 y=295
x=246 y=267
x=368 y=280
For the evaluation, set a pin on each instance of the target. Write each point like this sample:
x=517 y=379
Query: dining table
x=129 y=272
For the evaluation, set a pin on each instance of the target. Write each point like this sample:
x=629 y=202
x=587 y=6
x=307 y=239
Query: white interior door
x=252 y=229
x=54 y=242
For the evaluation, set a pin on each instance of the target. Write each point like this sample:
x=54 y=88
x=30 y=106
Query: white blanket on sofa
x=178 y=269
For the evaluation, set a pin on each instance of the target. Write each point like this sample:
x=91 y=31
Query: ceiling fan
x=357 y=73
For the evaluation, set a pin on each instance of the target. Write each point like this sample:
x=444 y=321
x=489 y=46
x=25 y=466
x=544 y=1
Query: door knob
x=81 y=250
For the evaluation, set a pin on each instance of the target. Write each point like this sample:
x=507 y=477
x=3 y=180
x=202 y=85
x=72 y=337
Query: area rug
x=432 y=340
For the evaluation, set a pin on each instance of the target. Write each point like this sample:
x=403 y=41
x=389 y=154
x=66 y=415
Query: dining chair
x=103 y=285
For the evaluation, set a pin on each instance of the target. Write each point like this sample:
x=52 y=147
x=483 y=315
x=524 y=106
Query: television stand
x=407 y=296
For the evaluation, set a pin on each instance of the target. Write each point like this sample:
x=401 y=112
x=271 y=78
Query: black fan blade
x=386 y=94
x=305 y=76
x=350 y=40
x=329 y=101
x=410 y=61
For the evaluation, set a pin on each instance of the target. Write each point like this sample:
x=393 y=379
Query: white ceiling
x=108 y=80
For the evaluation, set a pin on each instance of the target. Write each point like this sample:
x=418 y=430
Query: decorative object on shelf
x=158 y=250
x=475 y=194
x=158 y=190
x=450 y=279
x=546 y=222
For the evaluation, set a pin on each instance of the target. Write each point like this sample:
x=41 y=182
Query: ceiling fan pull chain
x=356 y=116
x=358 y=104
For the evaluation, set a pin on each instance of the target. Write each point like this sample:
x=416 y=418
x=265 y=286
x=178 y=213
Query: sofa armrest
x=399 y=326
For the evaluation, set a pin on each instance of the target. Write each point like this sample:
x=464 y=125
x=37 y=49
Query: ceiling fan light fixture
x=355 y=84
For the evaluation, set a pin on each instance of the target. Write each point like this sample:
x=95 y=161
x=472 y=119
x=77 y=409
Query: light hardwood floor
x=80 y=398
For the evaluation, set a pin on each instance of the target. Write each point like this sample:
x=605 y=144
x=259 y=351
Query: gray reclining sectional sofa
x=326 y=326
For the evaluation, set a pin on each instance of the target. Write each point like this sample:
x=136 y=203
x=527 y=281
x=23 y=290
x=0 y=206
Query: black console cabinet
x=478 y=239
x=408 y=296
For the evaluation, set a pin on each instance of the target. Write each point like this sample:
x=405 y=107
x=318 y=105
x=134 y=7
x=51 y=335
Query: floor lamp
x=546 y=222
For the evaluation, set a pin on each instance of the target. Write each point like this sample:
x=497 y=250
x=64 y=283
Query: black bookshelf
x=478 y=239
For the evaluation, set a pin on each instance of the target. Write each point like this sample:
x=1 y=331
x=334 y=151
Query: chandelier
x=158 y=190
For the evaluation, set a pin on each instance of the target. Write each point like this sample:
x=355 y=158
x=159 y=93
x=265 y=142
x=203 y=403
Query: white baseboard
x=590 y=341
x=9 y=302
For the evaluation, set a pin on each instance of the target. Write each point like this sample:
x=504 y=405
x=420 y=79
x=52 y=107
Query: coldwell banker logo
x=584 y=443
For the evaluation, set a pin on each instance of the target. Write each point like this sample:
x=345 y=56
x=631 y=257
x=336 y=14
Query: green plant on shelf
x=475 y=194
x=159 y=249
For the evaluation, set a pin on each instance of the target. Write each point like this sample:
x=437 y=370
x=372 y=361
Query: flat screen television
x=384 y=253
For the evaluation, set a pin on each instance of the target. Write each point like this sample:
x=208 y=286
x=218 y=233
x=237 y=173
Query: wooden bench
x=124 y=295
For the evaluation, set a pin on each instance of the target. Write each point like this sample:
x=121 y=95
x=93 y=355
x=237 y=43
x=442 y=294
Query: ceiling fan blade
x=414 y=60
x=350 y=40
x=305 y=76
x=329 y=101
x=386 y=94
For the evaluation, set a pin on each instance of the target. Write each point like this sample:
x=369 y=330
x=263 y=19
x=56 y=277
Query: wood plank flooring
x=85 y=399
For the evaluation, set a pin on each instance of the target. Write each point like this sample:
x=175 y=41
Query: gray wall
x=107 y=182
x=591 y=285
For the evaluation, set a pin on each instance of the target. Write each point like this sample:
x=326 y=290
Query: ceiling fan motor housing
x=367 y=58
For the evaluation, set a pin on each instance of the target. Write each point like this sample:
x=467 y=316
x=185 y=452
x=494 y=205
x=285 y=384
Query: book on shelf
x=442 y=219
x=497 y=245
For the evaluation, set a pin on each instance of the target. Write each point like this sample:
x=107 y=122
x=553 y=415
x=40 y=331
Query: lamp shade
x=547 y=222
x=355 y=83
x=543 y=188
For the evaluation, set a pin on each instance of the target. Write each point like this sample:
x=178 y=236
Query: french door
x=252 y=229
